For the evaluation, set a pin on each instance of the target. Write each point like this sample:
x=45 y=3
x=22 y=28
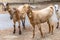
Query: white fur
x=33 y=6
x=56 y=6
x=53 y=20
x=58 y=14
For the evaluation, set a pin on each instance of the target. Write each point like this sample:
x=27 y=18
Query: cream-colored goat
x=39 y=16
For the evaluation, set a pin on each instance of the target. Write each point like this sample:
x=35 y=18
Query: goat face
x=5 y=6
x=56 y=7
x=28 y=10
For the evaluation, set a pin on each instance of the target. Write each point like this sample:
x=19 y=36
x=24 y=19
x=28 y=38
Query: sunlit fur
x=16 y=15
x=39 y=16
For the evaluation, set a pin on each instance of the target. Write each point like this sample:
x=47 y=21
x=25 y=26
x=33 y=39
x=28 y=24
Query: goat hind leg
x=39 y=26
x=49 y=26
x=14 y=29
x=52 y=29
x=19 y=27
x=33 y=31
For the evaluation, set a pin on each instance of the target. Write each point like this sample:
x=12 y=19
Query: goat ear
x=51 y=8
x=7 y=4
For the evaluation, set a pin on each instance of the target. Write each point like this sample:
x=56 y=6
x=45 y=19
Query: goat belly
x=43 y=20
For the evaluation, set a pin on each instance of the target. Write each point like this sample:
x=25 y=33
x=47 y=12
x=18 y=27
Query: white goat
x=57 y=12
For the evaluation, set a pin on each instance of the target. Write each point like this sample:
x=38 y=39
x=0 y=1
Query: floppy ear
x=7 y=4
x=51 y=7
x=24 y=7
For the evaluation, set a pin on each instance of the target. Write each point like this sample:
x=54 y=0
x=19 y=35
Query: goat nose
x=11 y=18
x=57 y=10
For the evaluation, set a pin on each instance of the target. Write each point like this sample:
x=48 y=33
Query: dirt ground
x=27 y=34
x=7 y=34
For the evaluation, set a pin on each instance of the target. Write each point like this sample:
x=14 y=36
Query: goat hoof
x=13 y=32
x=57 y=27
x=20 y=32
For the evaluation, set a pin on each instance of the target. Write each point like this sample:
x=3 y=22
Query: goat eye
x=30 y=14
